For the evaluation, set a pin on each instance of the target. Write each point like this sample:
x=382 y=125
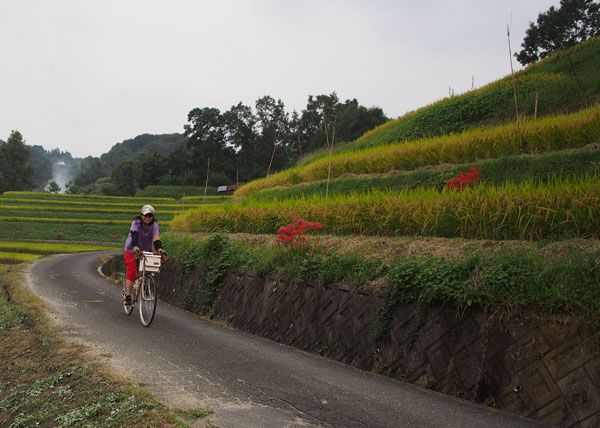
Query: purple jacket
x=145 y=235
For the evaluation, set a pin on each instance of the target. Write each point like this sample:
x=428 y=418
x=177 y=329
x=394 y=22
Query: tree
x=154 y=169
x=125 y=178
x=273 y=136
x=240 y=132
x=53 y=187
x=573 y=22
x=90 y=170
x=42 y=165
x=206 y=133
x=17 y=172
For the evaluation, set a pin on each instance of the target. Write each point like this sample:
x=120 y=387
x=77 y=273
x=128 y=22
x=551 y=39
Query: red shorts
x=131 y=264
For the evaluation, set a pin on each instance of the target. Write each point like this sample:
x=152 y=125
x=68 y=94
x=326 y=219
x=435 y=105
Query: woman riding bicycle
x=142 y=234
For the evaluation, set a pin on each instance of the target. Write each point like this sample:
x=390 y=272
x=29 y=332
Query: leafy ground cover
x=47 y=382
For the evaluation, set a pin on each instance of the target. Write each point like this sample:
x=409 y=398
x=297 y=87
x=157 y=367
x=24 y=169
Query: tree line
x=230 y=147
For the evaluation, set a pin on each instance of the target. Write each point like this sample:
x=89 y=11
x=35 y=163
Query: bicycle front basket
x=151 y=262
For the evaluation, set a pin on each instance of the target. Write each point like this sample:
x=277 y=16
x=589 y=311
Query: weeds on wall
x=566 y=283
x=562 y=284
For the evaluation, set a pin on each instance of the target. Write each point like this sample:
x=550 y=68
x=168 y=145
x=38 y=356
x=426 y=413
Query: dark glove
x=136 y=250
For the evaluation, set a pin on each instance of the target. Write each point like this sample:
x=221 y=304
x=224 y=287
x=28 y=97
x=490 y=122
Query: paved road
x=248 y=381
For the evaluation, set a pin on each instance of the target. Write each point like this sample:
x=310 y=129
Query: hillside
x=535 y=180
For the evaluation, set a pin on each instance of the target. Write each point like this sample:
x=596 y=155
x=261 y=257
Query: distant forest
x=235 y=146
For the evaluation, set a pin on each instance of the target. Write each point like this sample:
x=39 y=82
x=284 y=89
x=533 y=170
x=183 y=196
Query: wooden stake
x=536 y=104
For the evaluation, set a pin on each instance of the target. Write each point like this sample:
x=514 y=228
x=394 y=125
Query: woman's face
x=147 y=218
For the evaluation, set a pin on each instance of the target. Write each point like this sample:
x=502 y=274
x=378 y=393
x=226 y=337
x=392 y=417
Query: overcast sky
x=83 y=75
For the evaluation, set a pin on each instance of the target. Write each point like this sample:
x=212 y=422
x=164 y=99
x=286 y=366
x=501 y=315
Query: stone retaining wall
x=540 y=368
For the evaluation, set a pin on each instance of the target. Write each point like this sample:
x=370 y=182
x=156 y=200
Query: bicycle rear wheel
x=147 y=300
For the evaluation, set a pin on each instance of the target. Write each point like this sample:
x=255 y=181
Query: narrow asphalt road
x=248 y=381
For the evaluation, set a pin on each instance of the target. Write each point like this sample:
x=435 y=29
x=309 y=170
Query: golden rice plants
x=564 y=208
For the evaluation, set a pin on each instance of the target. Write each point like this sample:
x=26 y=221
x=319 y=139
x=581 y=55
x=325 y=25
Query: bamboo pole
x=206 y=185
x=299 y=144
x=330 y=147
x=274 y=147
x=512 y=73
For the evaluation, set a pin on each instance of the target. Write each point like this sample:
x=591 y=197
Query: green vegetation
x=14 y=258
x=89 y=218
x=565 y=283
x=77 y=231
x=46 y=248
x=572 y=23
x=516 y=169
x=91 y=198
x=176 y=192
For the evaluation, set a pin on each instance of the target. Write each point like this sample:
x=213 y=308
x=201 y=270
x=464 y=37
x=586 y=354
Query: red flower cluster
x=291 y=234
x=463 y=180
x=114 y=236
x=61 y=235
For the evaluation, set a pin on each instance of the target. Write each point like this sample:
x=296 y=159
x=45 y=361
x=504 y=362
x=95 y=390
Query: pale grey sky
x=83 y=75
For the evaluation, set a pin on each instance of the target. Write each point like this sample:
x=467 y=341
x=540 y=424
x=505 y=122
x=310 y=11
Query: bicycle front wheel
x=147 y=300
x=127 y=308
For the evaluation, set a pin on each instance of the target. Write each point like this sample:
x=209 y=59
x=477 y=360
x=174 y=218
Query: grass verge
x=46 y=382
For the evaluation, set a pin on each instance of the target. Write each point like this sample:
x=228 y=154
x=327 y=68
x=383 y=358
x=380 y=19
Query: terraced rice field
x=81 y=222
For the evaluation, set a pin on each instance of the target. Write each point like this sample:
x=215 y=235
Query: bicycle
x=144 y=287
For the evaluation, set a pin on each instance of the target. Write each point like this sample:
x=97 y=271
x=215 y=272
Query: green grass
x=176 y=192
x=86 y=232
x=516 y=169
x=46 y=383
x=90 y=198
x=14 y=257
x=47 y=248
